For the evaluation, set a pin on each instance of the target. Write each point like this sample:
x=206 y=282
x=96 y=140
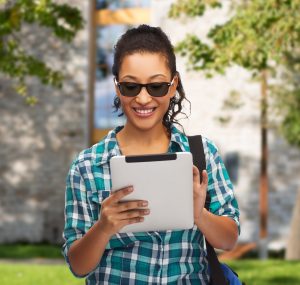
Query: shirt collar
x=108 y=147
x=179 y=138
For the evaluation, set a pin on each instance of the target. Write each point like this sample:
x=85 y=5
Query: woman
x=150 y=94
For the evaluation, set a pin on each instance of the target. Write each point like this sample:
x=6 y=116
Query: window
x=108 y=20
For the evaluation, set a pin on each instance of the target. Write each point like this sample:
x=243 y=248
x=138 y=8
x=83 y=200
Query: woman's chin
x=144 y=125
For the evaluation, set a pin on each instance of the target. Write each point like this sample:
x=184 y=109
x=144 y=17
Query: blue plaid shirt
x=170 y=257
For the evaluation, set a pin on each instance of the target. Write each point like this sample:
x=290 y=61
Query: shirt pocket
x=96 y=200
x=100 y=196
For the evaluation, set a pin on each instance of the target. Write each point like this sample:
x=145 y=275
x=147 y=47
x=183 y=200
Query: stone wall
x=38 y=143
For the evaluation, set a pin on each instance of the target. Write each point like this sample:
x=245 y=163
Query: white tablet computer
x=165 y=181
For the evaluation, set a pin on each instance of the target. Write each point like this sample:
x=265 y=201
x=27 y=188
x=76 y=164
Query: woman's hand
x=220 y=231
x=115 y=214
x=199 y=194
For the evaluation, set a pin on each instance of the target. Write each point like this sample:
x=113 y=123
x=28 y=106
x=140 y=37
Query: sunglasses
x=155 y=89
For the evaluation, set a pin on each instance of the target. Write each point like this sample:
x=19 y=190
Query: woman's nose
x=143 y=97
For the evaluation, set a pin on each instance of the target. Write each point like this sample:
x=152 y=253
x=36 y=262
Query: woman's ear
x=117 y=91
x=174 y=85
x=117 y=88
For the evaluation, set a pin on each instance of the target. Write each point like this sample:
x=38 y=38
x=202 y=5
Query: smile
x=144 y=112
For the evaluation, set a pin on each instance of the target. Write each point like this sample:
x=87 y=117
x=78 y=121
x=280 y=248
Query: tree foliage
x=261 y=35
x=15 y=61
x=287 y=98
x=192 y=8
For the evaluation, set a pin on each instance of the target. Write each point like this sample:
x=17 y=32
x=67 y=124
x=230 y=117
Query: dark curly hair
x=145 y=38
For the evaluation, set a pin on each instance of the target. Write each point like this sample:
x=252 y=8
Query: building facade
x=38 y=143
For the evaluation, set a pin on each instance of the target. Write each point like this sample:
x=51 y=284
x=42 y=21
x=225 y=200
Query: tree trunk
x=293 y=244
x=264 y=185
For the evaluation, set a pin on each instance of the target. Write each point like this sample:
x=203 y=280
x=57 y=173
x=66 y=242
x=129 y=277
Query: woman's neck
x=133 y=141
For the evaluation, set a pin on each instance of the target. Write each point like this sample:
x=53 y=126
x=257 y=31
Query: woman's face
x=145 y=112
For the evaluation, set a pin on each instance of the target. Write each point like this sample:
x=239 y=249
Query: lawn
x=253 y=272
x=30 y=251
x=28 y=274
x=269 y=272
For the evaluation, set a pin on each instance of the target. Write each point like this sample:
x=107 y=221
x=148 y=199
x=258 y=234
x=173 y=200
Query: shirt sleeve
x=220 y=188
x=78 y=218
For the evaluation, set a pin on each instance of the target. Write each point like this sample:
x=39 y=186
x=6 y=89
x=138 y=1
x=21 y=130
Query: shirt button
x=157 y=267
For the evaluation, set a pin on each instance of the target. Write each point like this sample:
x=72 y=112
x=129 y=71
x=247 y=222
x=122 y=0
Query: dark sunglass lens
x=129 y=89
x=158 y=89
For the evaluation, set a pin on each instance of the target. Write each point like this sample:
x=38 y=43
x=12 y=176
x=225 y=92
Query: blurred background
x=239 y=63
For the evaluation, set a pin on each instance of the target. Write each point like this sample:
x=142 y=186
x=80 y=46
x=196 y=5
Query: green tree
x=261 y=36
x=287 y=97
x=18 y=63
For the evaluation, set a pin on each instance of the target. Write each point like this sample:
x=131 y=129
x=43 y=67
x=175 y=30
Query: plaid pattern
x=170 y=257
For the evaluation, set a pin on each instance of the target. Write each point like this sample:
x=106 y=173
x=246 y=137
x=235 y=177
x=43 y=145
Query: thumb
x=204 y=178
x=196 y=174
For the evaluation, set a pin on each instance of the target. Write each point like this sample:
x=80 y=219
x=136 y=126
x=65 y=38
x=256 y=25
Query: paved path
x=32 y=261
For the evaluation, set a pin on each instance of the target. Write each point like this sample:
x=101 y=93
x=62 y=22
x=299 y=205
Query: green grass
x=30 y=251
x=253 y=272
x=27 y=274
x=269 y=272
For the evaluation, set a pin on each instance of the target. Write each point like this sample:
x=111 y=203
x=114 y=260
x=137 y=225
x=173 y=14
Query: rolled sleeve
x=220 y=188
x=78 y=219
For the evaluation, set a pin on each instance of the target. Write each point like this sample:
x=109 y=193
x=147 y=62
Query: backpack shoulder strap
x=197 y=150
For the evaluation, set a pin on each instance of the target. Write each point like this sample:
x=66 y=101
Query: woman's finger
x=116 y=196
x=126 y=222
x=204 y=178
x=130 y=205
x=196 y=174
x=133 y=214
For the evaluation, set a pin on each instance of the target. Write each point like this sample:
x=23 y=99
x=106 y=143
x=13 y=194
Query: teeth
x=144 y=111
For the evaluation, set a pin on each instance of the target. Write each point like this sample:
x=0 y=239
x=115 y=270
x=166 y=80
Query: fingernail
x=145 y=203
x=130 y=189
